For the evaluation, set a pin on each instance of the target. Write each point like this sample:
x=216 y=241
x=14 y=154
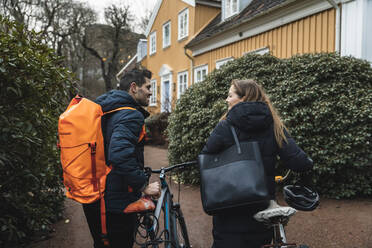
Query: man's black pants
x=120 y=227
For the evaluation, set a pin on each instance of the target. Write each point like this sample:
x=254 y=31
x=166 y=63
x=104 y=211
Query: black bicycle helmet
x=301 y=197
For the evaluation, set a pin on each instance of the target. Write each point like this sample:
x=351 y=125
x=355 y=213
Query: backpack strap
x=143 y=131
x=103 y=223
x=142 y=134
x=121 y=108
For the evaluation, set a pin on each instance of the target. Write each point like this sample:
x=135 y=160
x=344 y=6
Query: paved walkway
x=335 y=224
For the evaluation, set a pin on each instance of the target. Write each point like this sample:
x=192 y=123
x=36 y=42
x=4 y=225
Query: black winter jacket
x=253 y=122
x=121 y=131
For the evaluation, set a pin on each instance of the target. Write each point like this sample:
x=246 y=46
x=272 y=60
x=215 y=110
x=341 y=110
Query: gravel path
x=335 y=224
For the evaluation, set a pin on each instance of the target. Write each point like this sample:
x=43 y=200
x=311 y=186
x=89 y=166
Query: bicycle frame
x=158 y=209
x=165 y=204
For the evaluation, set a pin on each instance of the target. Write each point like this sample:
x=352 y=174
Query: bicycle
x=277 y=216
x=174 y=234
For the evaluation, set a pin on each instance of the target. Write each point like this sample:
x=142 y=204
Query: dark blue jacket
x=253 y=122
x=121 y=131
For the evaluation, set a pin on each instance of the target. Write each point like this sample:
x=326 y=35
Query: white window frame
x=153 y=93
x=183 y=18
x=183 y=74
x=260 y=51
x=152 y=49
x=228 y=6
x=223 y=61
x=167 y=43
x=200 y=69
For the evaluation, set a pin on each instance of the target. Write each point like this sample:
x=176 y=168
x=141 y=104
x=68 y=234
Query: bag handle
x=236 y=139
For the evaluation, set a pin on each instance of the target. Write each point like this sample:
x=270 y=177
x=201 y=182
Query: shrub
x=324 y=99
x=33 y=92
x=156 y=125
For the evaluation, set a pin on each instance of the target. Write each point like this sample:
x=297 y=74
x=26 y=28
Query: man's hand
x=153 y=189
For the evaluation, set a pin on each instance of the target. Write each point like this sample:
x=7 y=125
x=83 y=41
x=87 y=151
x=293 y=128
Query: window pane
x=185 y=25
x=204 y=72
x=153 y=92
x=234 y=6
x=153 y=43
x=166 y=37
x=228 y=8
x=181 y=28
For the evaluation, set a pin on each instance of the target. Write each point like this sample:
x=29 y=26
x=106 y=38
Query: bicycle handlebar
x=179 y=166
x=280 y=179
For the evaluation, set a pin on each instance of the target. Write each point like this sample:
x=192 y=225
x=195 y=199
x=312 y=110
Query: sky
x=138 y=8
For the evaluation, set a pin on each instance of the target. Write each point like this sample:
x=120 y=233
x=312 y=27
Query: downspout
x=338 y=25
x=192 y=66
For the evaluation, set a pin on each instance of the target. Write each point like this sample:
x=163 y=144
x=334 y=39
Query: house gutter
x=192 y=65
x=338 y=25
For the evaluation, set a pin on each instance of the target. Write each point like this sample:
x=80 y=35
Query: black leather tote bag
x=233 y=178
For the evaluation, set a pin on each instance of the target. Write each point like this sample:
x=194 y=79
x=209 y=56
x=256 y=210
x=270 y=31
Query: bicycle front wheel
x=180 y=238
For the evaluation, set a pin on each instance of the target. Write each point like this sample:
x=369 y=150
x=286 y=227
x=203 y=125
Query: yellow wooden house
x=187 y=39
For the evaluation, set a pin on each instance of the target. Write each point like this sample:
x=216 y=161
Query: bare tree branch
x=119 y=19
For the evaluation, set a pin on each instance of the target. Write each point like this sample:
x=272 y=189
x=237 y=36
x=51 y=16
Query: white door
x=166 y=96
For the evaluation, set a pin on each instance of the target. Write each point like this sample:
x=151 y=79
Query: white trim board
x=125 y=67
x=165 y=70
x=201 y=2
x=153 y=16
x=296 y=11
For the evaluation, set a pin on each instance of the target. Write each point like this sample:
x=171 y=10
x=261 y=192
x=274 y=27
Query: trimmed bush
x=156 y=126
x=34 y=90
x=324 y=99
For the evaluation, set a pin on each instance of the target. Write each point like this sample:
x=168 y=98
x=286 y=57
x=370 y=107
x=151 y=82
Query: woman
x=255 y=119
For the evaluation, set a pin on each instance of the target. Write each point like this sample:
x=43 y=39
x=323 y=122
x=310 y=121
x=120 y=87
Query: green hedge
x=34 y=90
x=324 y=99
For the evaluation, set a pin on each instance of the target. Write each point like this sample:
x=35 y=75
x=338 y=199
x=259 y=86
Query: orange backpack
x=82 y=152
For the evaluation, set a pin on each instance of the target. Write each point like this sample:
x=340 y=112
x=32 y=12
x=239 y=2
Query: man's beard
x=144 y=102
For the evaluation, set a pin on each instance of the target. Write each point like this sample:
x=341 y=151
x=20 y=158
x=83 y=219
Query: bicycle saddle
x=274 y=210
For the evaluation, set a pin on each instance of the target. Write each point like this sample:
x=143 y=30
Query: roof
x=254 y=9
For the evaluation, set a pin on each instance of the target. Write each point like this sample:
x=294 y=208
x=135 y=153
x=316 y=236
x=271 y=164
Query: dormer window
x=231 y=8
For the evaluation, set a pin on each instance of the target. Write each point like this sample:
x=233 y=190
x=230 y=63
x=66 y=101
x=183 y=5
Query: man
x=124 y=146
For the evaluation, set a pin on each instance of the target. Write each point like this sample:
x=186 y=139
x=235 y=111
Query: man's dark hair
x=135 y=75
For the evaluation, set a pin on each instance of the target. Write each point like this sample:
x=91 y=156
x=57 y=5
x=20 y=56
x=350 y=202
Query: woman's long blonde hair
x=249 y=91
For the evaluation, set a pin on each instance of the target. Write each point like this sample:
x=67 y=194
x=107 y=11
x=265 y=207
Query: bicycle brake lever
x=147 y=171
